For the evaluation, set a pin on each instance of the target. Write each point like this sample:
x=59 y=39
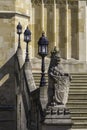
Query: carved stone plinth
x=57 y=118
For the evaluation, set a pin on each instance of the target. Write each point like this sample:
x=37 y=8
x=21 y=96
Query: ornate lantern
x=43 y=46
x=43 y=51
x=19 y=31
x=27 y=39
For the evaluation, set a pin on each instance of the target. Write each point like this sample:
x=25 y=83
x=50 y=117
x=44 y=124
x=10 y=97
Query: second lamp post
x=19 y=32
x=43 y=51
x=27 y=39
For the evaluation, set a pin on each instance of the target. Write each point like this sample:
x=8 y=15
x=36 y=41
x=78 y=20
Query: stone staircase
x=77 y=102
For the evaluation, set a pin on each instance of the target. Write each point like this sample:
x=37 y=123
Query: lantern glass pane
x=27 y=38
x=43 y=49
x=19 y=30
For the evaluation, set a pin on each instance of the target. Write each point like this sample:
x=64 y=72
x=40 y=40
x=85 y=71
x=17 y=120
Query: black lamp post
x=19 y=32
x=43 y=51
x=27 y=39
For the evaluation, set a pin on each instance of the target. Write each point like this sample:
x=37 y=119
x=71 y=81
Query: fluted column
x=67 y=46
x=66 y=29
x=54 y=23
x=31 y=23
x=42 y=11
x=82 y=20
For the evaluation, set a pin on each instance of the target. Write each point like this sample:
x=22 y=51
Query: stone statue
x=58 y=81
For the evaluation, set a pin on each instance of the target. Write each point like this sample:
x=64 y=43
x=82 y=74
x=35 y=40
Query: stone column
x=64 y=42
x=57 y=26
x=42 y=19
x=67 y=46
x=31 y=23
x=82 y=21
x=69 y=32
x=54 y=23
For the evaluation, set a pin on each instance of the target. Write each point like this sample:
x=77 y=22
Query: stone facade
x=64 y=24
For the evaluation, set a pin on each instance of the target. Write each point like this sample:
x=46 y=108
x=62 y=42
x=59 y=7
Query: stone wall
x=64 y=24
x=7 y=39
x=11 y=12
x=7 y=5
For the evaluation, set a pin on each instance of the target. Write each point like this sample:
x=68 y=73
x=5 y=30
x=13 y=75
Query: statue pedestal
x=57 y=118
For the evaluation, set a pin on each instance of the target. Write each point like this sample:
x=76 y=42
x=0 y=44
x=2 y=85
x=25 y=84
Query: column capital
x=36 y=2
x=59 y=2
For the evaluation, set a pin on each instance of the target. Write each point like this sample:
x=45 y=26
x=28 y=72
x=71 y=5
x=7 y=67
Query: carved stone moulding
x=72 y=4
x=60 y=3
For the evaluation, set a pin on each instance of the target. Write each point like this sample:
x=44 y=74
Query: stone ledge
x=12 y=13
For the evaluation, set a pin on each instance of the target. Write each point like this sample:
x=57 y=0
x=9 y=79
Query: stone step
x=76 y=109
x=78 y=74
x=78 y=91
x=77 y=88
x=79 y=81
x=79 y=112
x=77 y=96
x=76 y=114
x=71 y=89
x=78 y=85
x=77 y=105
x=79 y=126
x=77 y=101
x=78 y=77
x=79 y=119
x=79 y=122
